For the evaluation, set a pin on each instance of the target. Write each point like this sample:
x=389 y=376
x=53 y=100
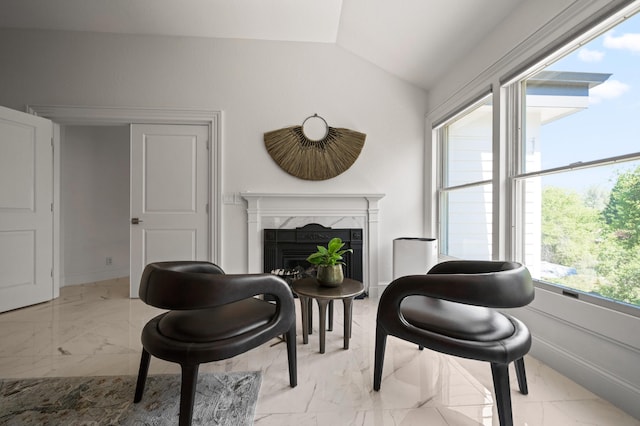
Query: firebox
x=288 y=248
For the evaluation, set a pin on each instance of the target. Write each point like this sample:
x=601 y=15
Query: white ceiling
x=416 y=40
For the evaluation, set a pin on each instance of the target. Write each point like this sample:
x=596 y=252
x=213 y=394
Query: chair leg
x=291 y=355
x=188 y=393
x=521 y=374
x=500 y=374
x=142 y=375
x=381 y=343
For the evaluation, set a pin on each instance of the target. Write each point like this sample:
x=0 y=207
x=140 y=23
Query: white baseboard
x=376 y=290
x=623 y=394
x=91 y=277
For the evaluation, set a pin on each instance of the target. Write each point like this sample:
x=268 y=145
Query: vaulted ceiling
x=417 y=40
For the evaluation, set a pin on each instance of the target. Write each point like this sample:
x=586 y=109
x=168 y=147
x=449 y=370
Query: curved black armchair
x=451 y=310
x=212 y=317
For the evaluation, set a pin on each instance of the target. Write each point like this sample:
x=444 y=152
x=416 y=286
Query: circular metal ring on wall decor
x=315 y=128
x=314 y=150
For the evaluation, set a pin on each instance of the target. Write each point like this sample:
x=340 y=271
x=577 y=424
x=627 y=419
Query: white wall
x=94 y=175
x=259 y=86
x=590 y=344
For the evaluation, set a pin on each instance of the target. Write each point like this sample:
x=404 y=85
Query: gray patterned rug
x=221 y=399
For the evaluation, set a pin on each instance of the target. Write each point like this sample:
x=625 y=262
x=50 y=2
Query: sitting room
x=245 y=134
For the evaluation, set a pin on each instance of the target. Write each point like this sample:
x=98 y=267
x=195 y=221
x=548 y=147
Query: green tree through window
x=601 y=244
x=622 y=213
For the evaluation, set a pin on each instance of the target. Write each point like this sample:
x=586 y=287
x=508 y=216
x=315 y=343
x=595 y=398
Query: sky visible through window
x=610 y=126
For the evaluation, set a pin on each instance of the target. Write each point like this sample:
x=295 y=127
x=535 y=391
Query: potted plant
x=329 y=262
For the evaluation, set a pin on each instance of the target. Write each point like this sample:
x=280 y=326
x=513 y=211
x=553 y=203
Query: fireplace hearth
x=287 y=249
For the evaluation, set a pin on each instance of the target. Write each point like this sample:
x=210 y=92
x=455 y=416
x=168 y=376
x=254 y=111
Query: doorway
x=99 y=116
x=94 y=203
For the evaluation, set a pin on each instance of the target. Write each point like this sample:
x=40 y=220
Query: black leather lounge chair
x=451 y=310
x=212 y=317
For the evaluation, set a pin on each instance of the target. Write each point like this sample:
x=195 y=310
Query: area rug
x=221 y=399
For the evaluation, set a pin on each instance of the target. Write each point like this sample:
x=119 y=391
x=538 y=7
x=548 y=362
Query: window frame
x=509 y=125
x=517 y=177
x=441 y=136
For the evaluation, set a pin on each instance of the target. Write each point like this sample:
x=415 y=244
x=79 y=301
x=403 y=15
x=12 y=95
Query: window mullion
x=500 y=201
x=514 y=125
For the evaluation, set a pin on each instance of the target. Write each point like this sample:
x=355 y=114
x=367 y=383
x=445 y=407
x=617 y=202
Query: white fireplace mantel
x=291 y=210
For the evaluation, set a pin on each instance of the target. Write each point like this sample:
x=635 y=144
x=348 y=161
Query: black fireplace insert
x=287 y=249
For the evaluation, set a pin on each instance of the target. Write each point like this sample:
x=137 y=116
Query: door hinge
x=206 y=208
x=52 y=273
x=51 y=207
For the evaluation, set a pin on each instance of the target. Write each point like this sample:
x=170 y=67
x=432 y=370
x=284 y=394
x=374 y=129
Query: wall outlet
x=109 y=261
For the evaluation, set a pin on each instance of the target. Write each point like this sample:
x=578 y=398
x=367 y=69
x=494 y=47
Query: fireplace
x=288 y=211
x=288 y=248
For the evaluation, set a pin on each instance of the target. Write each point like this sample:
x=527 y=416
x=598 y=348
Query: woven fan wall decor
x=314 y=159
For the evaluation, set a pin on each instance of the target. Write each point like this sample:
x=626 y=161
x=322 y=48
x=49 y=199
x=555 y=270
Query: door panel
x=18 y=261
x=170 y=244
x=26 y=219
x=169 y=195
x=179 y=154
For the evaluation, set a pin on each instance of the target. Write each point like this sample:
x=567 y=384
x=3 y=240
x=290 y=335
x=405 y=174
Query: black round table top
x=310 y=287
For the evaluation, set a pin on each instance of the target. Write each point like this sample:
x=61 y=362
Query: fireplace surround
x=292 y=210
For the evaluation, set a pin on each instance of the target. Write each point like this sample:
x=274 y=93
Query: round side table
x=308 y=289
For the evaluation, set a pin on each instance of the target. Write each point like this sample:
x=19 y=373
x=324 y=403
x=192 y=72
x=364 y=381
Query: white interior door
x=169 y=195
x=26 y=217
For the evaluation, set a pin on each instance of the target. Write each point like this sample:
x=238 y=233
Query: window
x=465 y=184
x=578 y=187
x=567 y=186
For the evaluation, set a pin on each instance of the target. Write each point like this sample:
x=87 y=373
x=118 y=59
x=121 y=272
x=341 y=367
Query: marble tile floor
x=94 y=329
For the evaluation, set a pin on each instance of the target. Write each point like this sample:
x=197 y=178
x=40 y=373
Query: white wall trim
x=75 y=279
x=599 y=322
x=104 y=116
x=57 y=220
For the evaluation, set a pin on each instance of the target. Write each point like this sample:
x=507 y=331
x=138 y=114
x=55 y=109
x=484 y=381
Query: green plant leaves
x=330 y=255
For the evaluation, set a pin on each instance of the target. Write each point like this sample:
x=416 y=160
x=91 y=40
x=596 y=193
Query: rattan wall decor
x=314 y=157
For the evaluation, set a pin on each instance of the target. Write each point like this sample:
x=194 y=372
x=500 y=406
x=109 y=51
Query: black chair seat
x=224 y=322
x=474 y=323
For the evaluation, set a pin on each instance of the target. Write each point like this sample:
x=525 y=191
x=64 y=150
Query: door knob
x=135 y=221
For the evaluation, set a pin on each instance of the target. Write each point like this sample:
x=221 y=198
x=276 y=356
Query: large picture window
x=578 y=185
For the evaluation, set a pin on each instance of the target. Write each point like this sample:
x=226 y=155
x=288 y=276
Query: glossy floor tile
x=94 y=329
